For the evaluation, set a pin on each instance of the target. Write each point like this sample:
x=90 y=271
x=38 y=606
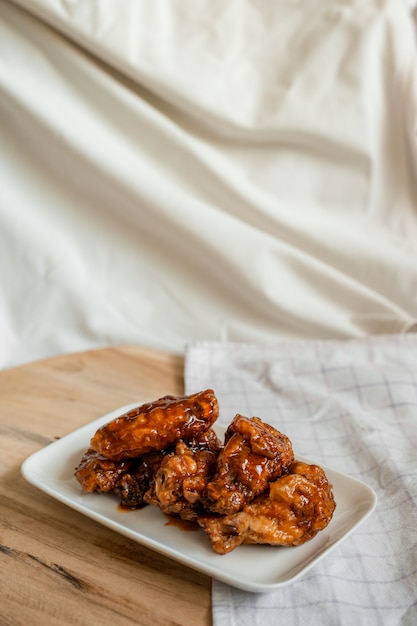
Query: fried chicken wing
x=183 y=475
x=207 y=440
x=129 y=479
x=254 y=454
x=296 y=507
x=133 y=486
x=156 y=425
x=96 y=473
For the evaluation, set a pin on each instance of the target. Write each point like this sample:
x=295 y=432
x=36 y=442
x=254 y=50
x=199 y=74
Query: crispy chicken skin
x=183 y=475
x=132 y=486
x=294 y=509
x=156 y=425
x=254 y=454
x=96 y=473
x=129 y=479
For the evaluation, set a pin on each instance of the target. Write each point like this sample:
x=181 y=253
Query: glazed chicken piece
x=129 y=479
x=156 y=425
x=96 y=473
x=208 y=440
x=183 y=475
x=297 y=506
x=132 y=486
x=254 y=454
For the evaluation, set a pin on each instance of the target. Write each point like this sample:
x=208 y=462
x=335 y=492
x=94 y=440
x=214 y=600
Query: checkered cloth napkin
x=353 y=407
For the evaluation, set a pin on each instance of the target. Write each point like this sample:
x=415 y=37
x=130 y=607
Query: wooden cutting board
x=56 y=565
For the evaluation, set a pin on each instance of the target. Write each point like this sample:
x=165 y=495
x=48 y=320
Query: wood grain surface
x=56 y=565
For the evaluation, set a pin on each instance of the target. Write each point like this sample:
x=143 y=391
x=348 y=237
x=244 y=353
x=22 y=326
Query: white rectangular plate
x=252 y=568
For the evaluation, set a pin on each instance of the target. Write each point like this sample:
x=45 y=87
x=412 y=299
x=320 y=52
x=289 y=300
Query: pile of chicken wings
x=246 y=489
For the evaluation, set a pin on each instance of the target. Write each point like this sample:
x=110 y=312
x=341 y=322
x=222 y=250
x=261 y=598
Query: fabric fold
x=178 y=164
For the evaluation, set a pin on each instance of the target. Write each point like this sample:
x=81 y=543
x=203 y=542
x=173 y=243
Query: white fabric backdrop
x=207 y=170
